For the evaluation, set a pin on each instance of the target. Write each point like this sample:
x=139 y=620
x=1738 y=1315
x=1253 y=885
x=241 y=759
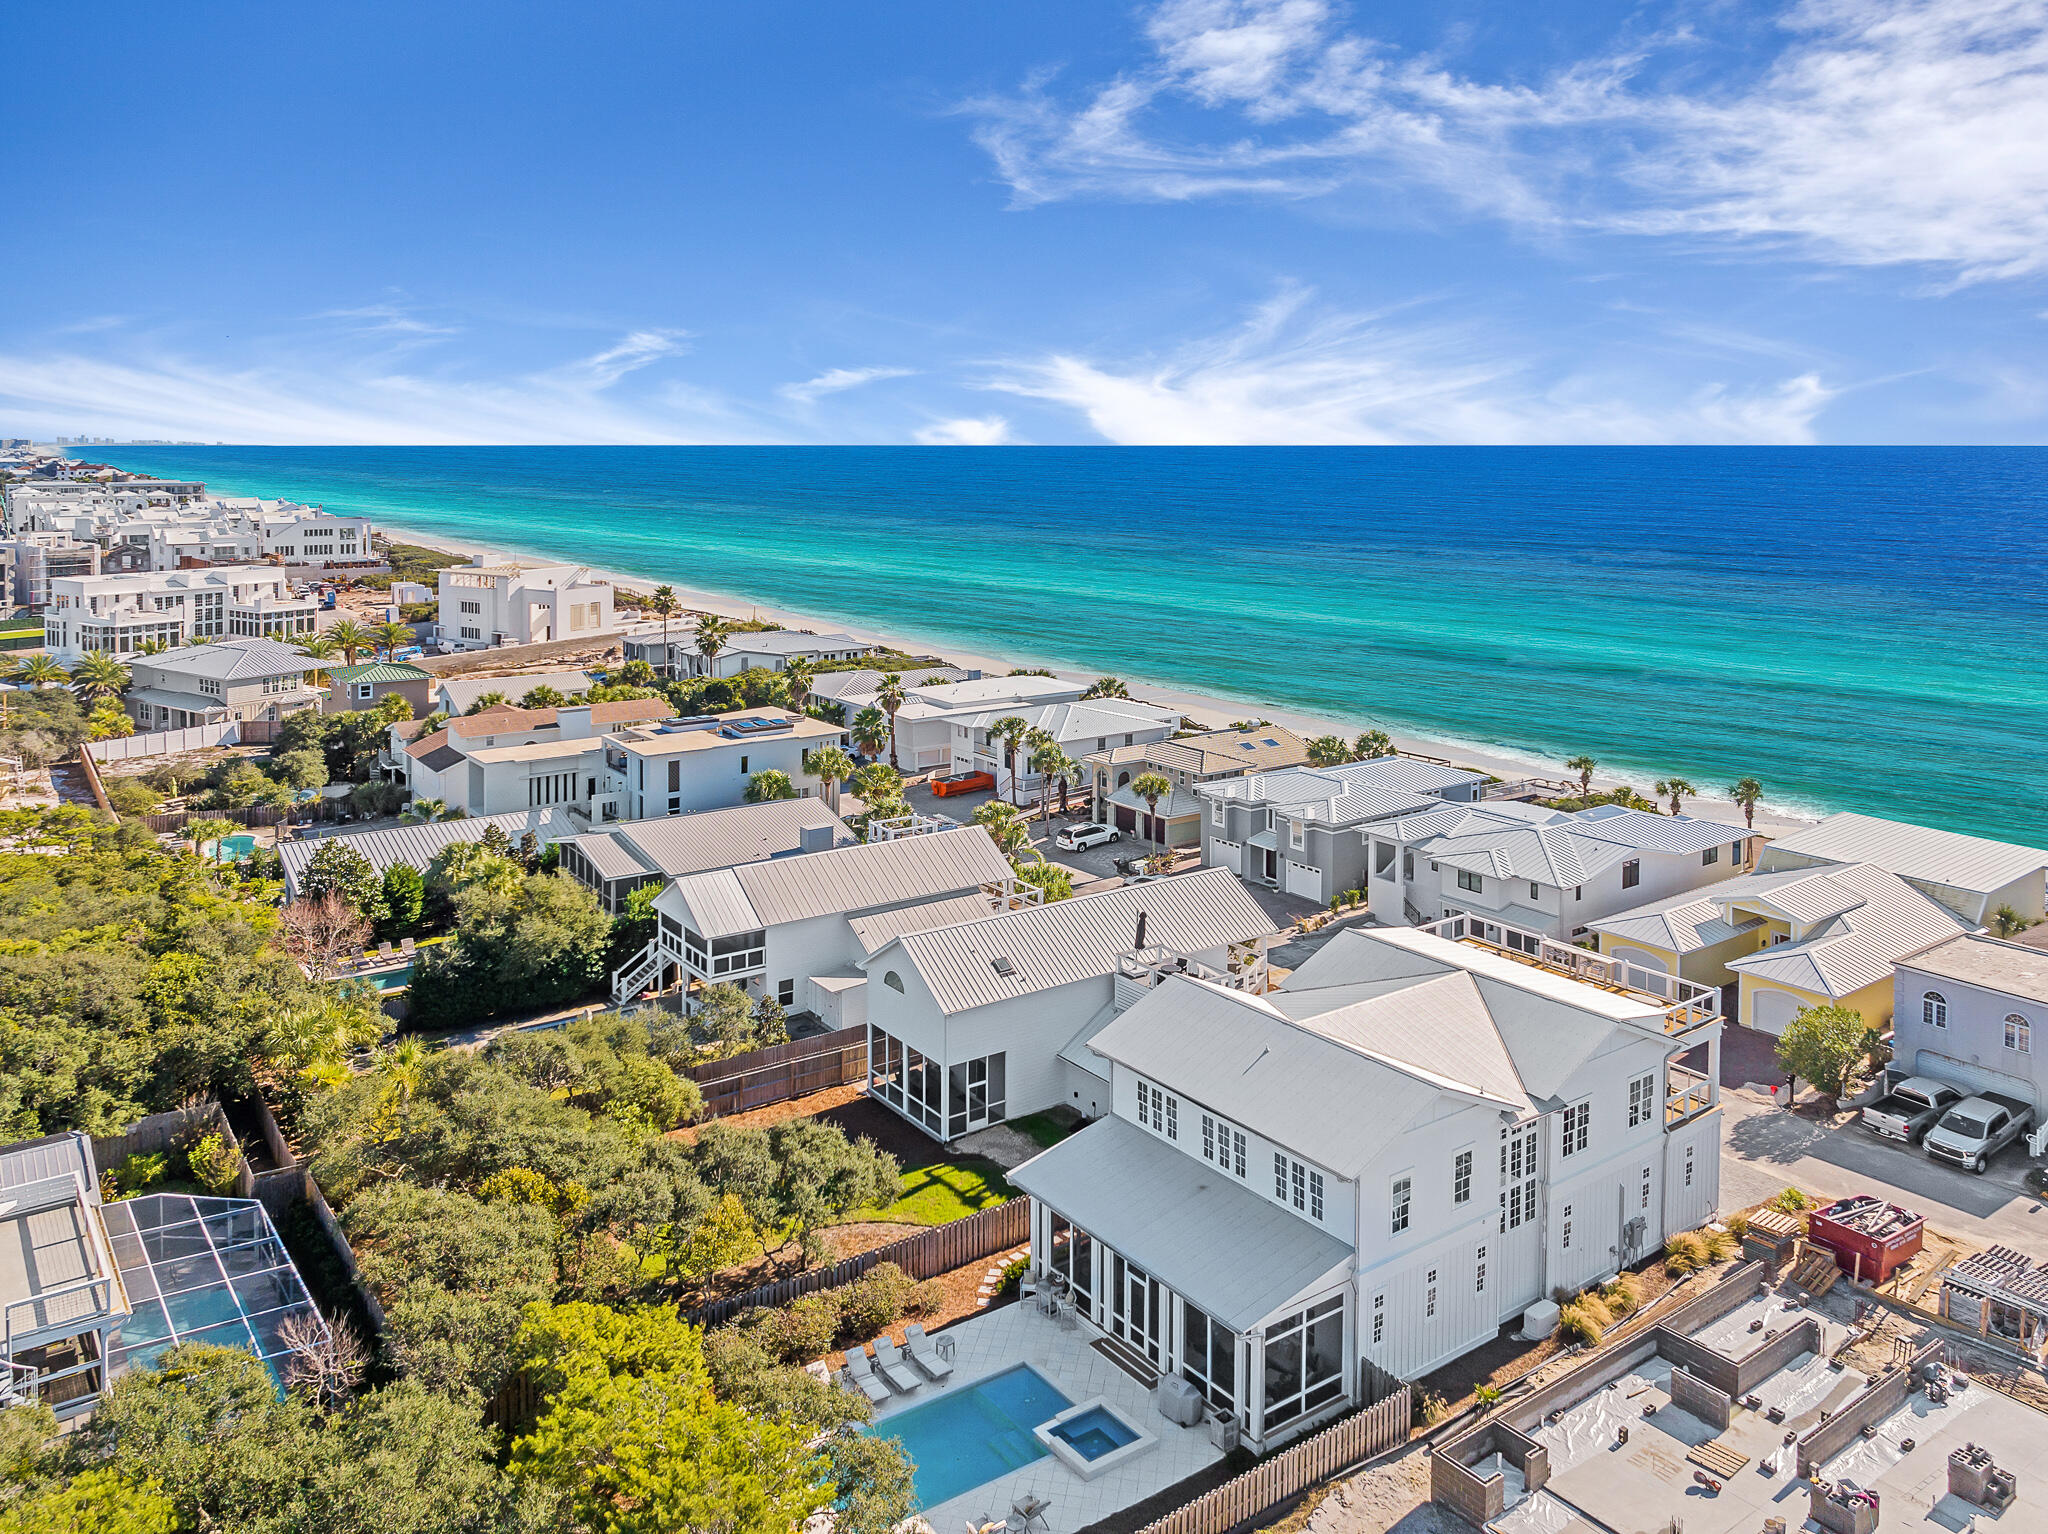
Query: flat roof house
x=485 y=604
x=118 y=614
x=1971 y=875
x=257 y=679
x=1411 y=1141
x=975 y=1021
x=1965 y=1011
x=678 y=766
x=616 y=859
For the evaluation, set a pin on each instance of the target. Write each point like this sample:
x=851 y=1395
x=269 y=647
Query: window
x=1535 y=890
x=1298 y=1186
x=366 y=690
x=1641 y=1100
x=471 y=607
x=1297 y=834
x=1305 y=1361
x=1223 y=1144
x=1576 y=1119
x=1518 y=1176
x=893 y=981
x=785 y=993
x=1408 y=866
x=743 y=766
x=1934 y=1010
x=2018 y=1034
x=1208 y=1357
x=1479 y=1273
x=1735 y=852
x=1429 y=1304
x=1646 y=1188
x=1468 y=880
x=1216 y=813
x=1379 y=1319
x=1688 y=1166
x=1461 y=1178
x=1567 y=1227
x=1631 y=873
x=1403 y=1188
x=1157 y=1111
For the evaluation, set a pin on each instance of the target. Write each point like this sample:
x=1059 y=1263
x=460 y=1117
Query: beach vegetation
x=769 y=785
x=665 y=606
x=797 y=677
x=1823 y=1045
x=634 y=673
x=1746 y=792
x=1372 y=745
x=1152 y=787
x=412 y=562
x=1056 y=881
x=870 y=731
x=489 y=699
x=543 y=696
x=2007 y=922
x=1107 y=687
x=831 y=767
x=351 y=639
x=392 y=637
x=1677 y=790
x=710 y=637
x=1584 y=766
x=889 y=698
x=97 y=677
x=1328 y=751
x=1010 y=730
x=523 y=941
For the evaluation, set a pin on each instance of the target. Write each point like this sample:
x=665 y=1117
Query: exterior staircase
x=636 y=974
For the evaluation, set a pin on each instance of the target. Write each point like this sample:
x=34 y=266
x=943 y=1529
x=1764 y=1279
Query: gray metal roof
x=1682 y=924
x=1975 y=959
x=1647 y=831
x=1183 y=1221
x=842 y=881
x=1079 y=938
x=1858 y=946
x=53 y=1156
x=877 y=931
x=1916 y=852
x=863 y=684
x=230 y=660
x=461 y=691
x=1405 y=773
x=679 y=845
x=417 y=843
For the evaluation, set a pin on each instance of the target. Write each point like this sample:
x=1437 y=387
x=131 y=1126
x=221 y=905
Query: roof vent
x=1002 y=966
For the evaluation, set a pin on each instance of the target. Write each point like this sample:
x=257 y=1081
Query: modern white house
x=248 y=679
x=783 y=926
x=745 y=650
x=117 y=614
x=485 y=604
x=1413 y=1140
x=835 y=687
x=507 y=759
x=925 y=725
x=1185 y=761
x=1971 y=875
x=974 y=1021
x=679 y=766
x=616 y=859
x=1965 y=1012
x=1090 y=726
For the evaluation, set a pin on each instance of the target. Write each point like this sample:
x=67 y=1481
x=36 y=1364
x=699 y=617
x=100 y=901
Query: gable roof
x=1078 y=938
x=879 y=929
x=380 y=671
x=841 y=881
x=676 y=845
x=1262 y=749
x=417 y=843
x=231 y=660
x=1681 y=924
x=1406 y=773
x=1871 y=918
x=866 y=683
x=462 y=691
x=502 y=719
x=1947 y=858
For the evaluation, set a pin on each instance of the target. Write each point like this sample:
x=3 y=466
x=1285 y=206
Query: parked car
x=1092 y=834
x=963 y=783
x=1976 y=1129
x=1143 y=878
x=1910 y=1109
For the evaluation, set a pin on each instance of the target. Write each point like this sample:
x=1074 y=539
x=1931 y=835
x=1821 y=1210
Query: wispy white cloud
x=837 y=381
x=386 y=319
x=1881 y=132
x=1297 y=373
x=967 y=431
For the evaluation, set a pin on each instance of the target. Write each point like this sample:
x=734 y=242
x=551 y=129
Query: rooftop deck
x=1686 y=1005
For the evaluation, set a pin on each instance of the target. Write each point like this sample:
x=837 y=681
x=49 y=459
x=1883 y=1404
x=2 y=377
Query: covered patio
x=1190 y=1274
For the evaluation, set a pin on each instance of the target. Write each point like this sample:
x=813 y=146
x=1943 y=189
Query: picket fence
x=924 y=1255
x=762 y=1077
x=1347 y=1442
x=166 y=742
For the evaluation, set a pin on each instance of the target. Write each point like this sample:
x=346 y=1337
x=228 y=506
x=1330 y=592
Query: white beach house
x=1413 y=1140
x=744 y=650
x=485 y=604
x=1971 y=875
x=117 y=614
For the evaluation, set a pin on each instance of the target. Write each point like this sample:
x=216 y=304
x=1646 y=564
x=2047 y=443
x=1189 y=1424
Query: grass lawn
x=1047 y=1129
x=941 y=1191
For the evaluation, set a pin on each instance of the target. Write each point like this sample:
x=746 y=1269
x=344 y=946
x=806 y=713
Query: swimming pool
x=974 y=1434
x=232 y=849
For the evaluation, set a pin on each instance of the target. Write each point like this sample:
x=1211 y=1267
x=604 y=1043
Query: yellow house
x=1803 y=937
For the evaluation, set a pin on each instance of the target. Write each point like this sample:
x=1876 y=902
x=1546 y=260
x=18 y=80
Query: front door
x=1136 y=1308
x=1268 y=864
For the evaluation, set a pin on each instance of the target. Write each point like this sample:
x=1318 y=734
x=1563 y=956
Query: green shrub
x=874 y=1302
x=140 y=1169
x=1013 y=1275
x=1430 y=1408
x=1579 y=1322
x=1486 y=1395
x=214 y=1163
x=1791 y=1201
x=805 y=1328
x=1624 y=1297
x=1721 y=1244
x=1596 y=1308
x=1738 y=1226
x=926 y=1299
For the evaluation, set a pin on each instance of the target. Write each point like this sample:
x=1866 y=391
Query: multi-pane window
x=1631 y=873
x=1208 y=1357
x=1688 y=1166
x=1642 y=1100
x=1429 y=1303
x=1646 y=1188
x=1461 y=1178
x=1298 y=1185
x=1223 y=1145
x=1403 y=1196
x=1934 y=1010
x=1379 y=1319
x=1479 y=1273
x=1468 y=880
x=1158 y=1111
x=1576 y=1119
x=1567 y=1227
x=2019 y=1034
x=1517 y=1176
x=1710 y=856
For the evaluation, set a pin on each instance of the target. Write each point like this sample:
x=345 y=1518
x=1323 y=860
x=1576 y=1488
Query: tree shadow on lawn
x=937 y=1186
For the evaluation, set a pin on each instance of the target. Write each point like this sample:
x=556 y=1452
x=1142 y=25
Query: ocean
x=1857 y=628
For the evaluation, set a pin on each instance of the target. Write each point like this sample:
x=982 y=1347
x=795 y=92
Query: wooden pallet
x=1816 y=1274
x=1717 y=1458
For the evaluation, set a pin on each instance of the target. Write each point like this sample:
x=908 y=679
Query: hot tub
x=1093 y=1438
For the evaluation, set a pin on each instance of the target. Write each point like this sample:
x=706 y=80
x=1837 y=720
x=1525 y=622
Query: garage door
x=1303 y=880
x=1771 y=1011
x=1972 y=1078
x=1228 y=855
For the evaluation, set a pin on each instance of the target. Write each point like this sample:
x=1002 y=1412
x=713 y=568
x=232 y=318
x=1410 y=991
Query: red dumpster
x=1869 y=1238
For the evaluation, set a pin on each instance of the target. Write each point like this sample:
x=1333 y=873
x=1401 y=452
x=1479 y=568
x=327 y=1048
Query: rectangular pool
x=974 y=1434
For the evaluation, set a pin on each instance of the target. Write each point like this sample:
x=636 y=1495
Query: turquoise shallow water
x=1859 y=628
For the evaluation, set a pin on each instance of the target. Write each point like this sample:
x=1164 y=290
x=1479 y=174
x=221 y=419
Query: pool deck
x=1018 y=1334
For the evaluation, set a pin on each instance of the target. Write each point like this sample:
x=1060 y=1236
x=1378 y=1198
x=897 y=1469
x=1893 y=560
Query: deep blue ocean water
x=1858 y=628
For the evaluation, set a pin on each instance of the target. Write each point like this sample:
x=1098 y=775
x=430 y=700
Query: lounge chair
x=925 y=1353
x=863 y=1376
x=406 y=946
x=890 y=1363
x=386 y=951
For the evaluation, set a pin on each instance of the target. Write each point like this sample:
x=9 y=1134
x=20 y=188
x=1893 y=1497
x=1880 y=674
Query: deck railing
x=1687 y=1004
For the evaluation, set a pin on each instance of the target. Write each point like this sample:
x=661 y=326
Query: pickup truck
x=1909 y=1109
x=1976 y=1129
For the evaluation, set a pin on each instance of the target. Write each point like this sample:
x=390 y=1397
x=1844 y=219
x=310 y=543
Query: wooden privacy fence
x=924 y=1255
x=776 y=1074
x=1360 y=1436
x=252 y=815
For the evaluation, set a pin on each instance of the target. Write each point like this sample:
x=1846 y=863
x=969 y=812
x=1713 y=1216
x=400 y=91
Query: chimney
x=573 y=720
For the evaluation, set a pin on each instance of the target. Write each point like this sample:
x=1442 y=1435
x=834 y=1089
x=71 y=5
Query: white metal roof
x=878 y=930
x=1647 y=831
x=1405 y=772
x=677 y=845
x=1916 y=852
x=1077 y=939
x=230 y=660
x=1183 y=1221
x=1859 y=946
x=417 y=843
x=1682 y=924
x=461 y=691
x=843 y=880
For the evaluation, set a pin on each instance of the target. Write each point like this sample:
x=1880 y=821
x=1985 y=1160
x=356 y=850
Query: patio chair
x=889 y=1361
x=924 y=1353
x=386 y=951
x=863 y=1377
x=406 y=946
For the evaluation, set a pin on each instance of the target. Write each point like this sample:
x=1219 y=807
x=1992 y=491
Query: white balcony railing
x=1687 y=1004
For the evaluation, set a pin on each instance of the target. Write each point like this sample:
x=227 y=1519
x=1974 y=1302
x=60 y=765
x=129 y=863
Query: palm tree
x=768 y=785
x=890 y=697
x=1583 y=766
x=1746 y=792
x=665 y=607
x=1677 y=789
x=318 y=647
x=1010 y=729
x=797 y=677
x=1053 y=765
x=486 y=700
x=879 y=787
x=392 y=637
x=98 y=676
x=200 y=832
x=405 y=1068
x=831 y=767
x=2007 y=922
x=1152 y=787
x=543 y=696
x=39 y=670
x=1005 y=823
x=426 y=809
x=870 y=732
x=1328 y=751
x=1372 y=745
x=351 y=638
x=151 y=647
x=711 y=637
x=1107 y=687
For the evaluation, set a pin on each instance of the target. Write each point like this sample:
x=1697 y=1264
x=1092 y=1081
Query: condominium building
x=30 y=561
x=119 y=614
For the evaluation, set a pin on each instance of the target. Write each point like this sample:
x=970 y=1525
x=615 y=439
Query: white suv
x=1078 y=838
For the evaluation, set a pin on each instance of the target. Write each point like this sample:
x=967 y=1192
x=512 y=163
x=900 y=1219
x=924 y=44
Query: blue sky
x=957 y=221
